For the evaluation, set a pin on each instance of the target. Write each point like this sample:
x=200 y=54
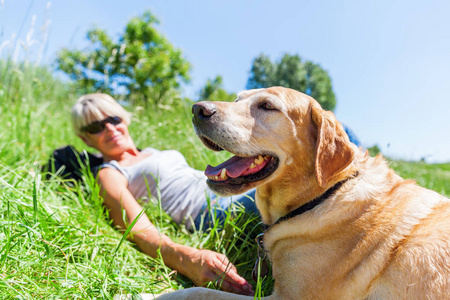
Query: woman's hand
x=202 y=266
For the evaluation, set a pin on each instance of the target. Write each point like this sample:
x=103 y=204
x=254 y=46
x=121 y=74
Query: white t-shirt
x=183 y=189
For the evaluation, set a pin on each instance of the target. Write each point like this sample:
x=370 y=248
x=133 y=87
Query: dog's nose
x=203 y=110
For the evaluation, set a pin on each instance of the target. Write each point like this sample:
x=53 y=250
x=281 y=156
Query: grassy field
x=56 y=241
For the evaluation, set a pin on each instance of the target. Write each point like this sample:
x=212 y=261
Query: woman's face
x=112 y=141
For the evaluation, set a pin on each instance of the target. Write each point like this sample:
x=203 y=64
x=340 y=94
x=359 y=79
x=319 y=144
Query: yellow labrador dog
x=340 y=224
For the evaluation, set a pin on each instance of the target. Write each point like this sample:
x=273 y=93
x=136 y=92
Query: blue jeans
x=219 y=207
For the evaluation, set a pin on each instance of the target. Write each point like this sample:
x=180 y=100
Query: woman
x=126 y=175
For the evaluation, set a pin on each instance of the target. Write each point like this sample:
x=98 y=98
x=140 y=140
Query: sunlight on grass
x=56 y=240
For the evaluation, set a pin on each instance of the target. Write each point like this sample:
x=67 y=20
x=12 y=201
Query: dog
x=340 y=224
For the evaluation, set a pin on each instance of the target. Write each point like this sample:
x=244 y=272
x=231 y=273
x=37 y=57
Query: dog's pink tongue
x=235 y=166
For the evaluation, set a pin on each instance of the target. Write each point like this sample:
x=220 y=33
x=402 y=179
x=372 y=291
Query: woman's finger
x=227 y=284
x=231 y=280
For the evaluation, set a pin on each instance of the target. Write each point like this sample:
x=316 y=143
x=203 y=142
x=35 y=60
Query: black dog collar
x=311 y=204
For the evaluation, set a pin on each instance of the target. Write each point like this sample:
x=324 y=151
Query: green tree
x=213 y=91
x=292 y=72
x=142 y=64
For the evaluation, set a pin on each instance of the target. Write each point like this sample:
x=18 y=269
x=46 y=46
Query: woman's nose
x=110 y=127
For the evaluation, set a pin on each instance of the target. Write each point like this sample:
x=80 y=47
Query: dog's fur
x=377 y=237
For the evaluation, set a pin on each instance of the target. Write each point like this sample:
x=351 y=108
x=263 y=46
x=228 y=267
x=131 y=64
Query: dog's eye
x=267 y=106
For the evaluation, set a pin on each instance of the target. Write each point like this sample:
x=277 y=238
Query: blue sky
x=389 y=60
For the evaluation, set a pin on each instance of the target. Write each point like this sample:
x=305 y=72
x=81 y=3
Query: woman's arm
x=200 y=266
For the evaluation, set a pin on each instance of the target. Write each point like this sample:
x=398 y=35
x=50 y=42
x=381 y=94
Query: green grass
x=432 y=176
x=56 y=241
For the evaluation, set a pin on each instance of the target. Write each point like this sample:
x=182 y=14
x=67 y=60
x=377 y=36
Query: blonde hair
x=94 y=107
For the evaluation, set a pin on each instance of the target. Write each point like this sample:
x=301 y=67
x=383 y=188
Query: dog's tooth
x=259 y=160
x=223 y=173
x=252 y=166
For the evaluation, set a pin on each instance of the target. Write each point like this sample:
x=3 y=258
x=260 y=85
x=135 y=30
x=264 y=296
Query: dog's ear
x=333 y=150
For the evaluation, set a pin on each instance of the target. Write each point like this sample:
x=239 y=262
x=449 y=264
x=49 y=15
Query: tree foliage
x=213 y=91
x=142 y=64
x=292 y=72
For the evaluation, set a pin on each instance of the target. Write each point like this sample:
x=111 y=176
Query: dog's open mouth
x=239 y=170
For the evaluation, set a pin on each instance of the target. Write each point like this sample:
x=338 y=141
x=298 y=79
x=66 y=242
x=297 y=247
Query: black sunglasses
x=99 y=126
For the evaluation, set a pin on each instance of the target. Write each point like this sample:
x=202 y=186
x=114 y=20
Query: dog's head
x=283 y=142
